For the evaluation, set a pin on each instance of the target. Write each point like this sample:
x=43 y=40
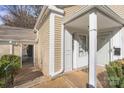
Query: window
x=82 y=45
x=117 y=51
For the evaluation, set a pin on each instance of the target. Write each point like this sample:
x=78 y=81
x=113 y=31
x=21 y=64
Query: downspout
x=58 y=73
x=44 y=8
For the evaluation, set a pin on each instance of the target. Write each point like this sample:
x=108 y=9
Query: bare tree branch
x=21 y=15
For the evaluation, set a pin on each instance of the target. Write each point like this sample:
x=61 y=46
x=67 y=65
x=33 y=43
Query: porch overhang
x=107 y=19
x=100 y=8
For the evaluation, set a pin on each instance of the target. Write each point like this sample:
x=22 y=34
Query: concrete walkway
x=27 y=74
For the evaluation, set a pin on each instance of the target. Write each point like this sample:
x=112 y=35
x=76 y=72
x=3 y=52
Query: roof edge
x=47 y=8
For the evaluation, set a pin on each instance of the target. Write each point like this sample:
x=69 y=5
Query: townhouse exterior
x=14 y=40
x=78 y=36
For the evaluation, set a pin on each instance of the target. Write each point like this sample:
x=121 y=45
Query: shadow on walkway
x=26 y=74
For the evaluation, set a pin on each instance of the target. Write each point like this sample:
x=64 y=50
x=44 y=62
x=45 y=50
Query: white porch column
x=11 y=48
x=21 y=54
x=92 y=48
x=34 y=63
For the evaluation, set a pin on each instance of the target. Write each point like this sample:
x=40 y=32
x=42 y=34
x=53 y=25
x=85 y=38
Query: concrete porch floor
x=75 y=79
x=30 y=77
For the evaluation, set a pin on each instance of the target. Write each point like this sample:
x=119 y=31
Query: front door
x=68 y=51
x=80 y=50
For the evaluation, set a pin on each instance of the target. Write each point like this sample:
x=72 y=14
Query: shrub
x=9 y=66
x=13 y=59
x=115 y=74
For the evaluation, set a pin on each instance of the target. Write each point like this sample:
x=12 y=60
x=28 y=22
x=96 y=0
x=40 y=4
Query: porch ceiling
x=104 y=23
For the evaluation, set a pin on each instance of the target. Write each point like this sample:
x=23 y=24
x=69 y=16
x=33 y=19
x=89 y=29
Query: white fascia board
x=56 y=10
x=40 y=16
x=17 y=41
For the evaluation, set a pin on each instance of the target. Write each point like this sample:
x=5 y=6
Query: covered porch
x=92 y=37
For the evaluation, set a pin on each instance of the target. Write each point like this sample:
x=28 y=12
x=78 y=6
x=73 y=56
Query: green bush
x=9 y=66
x=115 y=74
x=3 y=64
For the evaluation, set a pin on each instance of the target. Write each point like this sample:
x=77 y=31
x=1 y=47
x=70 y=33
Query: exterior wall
x=58 y=29
x=43 y=47
x=119 y=9
x=36 y=56
x=103 y=49
x=24 y=49
x=122 y=39
x=4 y=49
x=116 y=42
x=17 y=50
x=106 y=47
x=69 y=11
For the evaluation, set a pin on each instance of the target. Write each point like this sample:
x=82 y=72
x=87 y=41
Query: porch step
x=33 y=83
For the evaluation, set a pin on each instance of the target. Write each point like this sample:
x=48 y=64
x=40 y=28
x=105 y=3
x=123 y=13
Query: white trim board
x=51 y=43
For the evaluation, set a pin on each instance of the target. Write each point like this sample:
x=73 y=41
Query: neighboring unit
x=15 y=40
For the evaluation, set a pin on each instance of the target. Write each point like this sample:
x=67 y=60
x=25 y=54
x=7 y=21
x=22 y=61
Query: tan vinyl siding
x=69 y=11
x=4 y=49
x=58 y=27
x=119 y=9
x=43 y=47
x=16 y=50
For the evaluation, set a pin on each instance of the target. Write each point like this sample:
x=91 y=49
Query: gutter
x=38 y=21
x=40 y=16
